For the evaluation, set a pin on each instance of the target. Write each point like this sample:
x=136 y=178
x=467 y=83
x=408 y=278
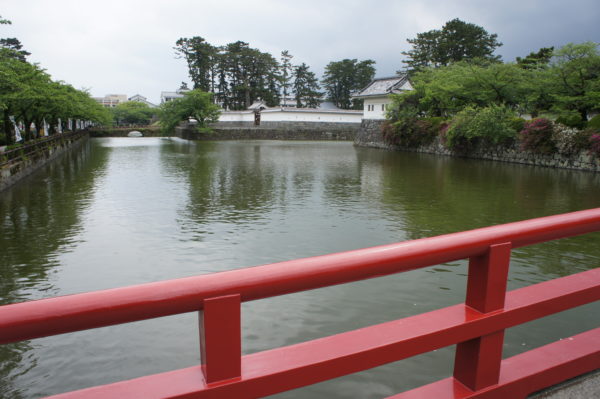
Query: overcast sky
x=126 y=46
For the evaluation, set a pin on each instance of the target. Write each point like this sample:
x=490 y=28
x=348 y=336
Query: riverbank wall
x=273 y=131
x=369 y=135
x=19 y=163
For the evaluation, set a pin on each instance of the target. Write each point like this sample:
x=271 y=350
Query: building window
x=383 y=107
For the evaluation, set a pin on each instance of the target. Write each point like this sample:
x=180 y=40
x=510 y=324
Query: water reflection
x=40 y=219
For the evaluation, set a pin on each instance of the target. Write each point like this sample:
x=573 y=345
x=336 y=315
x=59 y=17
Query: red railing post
x=220 y=338
x=477 y=361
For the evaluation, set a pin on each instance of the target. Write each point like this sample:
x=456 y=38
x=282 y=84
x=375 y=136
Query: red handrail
x=476 y=326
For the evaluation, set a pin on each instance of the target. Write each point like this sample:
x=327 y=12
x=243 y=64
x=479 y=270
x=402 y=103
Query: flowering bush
x=409 y=131
x=566 y=139
x=536 y=136
x=595 y=144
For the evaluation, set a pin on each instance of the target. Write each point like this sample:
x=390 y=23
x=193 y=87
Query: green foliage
x=456 y=41
x=576 y=78
x=306 y=87
x=409 y=132
x=539 y=60
x=132 y=113
x=444 y=91
x=594 y=123
x=285 y=72
x=29 y=94
x=571 y=120
x=195 y=104
x=201 y=58
x=236 y=73
x=536 y=136
x=473 y=126
x=342 y=78
x=517 y=123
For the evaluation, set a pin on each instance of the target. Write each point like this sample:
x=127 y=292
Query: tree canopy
x=306 y=87
x=568 y=84
x=575 y=73
x=236 y=73
x=456 y=41
x=342 y=78
x=29 y=95
x=132 y=113
x=196 y=104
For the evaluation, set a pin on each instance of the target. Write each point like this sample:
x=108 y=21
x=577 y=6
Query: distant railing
x=476 y=326
x=29 y=149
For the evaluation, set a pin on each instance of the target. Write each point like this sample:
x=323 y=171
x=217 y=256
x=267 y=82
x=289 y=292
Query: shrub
x=536 y=136
x=436 y=122
x=595 y=144
x=408 y=132
x=566 y=139
x=594 y=123
x=472 y=126
x=517 y=123
x=571 y=120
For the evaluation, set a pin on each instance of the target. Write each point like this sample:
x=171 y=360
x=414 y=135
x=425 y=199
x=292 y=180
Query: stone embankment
x=370 y=135
x=274 y=131
x=22 y=161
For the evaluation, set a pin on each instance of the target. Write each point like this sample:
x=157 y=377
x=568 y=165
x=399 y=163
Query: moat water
x=122 y=211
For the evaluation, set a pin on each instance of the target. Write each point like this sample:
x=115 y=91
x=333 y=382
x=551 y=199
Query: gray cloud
x=126 y=46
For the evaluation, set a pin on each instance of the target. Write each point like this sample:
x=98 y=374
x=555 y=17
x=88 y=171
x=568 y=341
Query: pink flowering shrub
x=595 y=144
x=536 y=136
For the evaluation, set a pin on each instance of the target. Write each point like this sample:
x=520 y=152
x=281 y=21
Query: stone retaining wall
x=20 y=168
x=370 y=135
x=274 y=131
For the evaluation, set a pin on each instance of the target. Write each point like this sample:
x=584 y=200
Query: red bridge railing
x=477 y=326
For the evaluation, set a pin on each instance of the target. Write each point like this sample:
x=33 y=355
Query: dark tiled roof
x=383 y=86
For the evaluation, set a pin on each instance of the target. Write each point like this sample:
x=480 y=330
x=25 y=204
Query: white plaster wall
x=377 y=103
x=236 y=116
x=279 y=115
x=291 y=116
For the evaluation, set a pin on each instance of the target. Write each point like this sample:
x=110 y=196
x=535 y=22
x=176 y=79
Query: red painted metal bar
x=102 y=308
x=269 y=372
x=526 y=373
x=220 y=338
x=477 y=361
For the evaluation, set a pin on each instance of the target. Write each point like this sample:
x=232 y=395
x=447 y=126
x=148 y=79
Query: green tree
x=201 y=58
x=342 y=78
x=132 y=113
x=576 y=74
x=537 y=60
x=456 y=41
x=12 y=44
x=306 y=87
x=286 y=72
x=195 y=104
x=444 y=91
x=28 y=93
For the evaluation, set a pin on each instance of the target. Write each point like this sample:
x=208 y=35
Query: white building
x=171 y=95
x=376 y=95
x=111 y=100
x=141 y=99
